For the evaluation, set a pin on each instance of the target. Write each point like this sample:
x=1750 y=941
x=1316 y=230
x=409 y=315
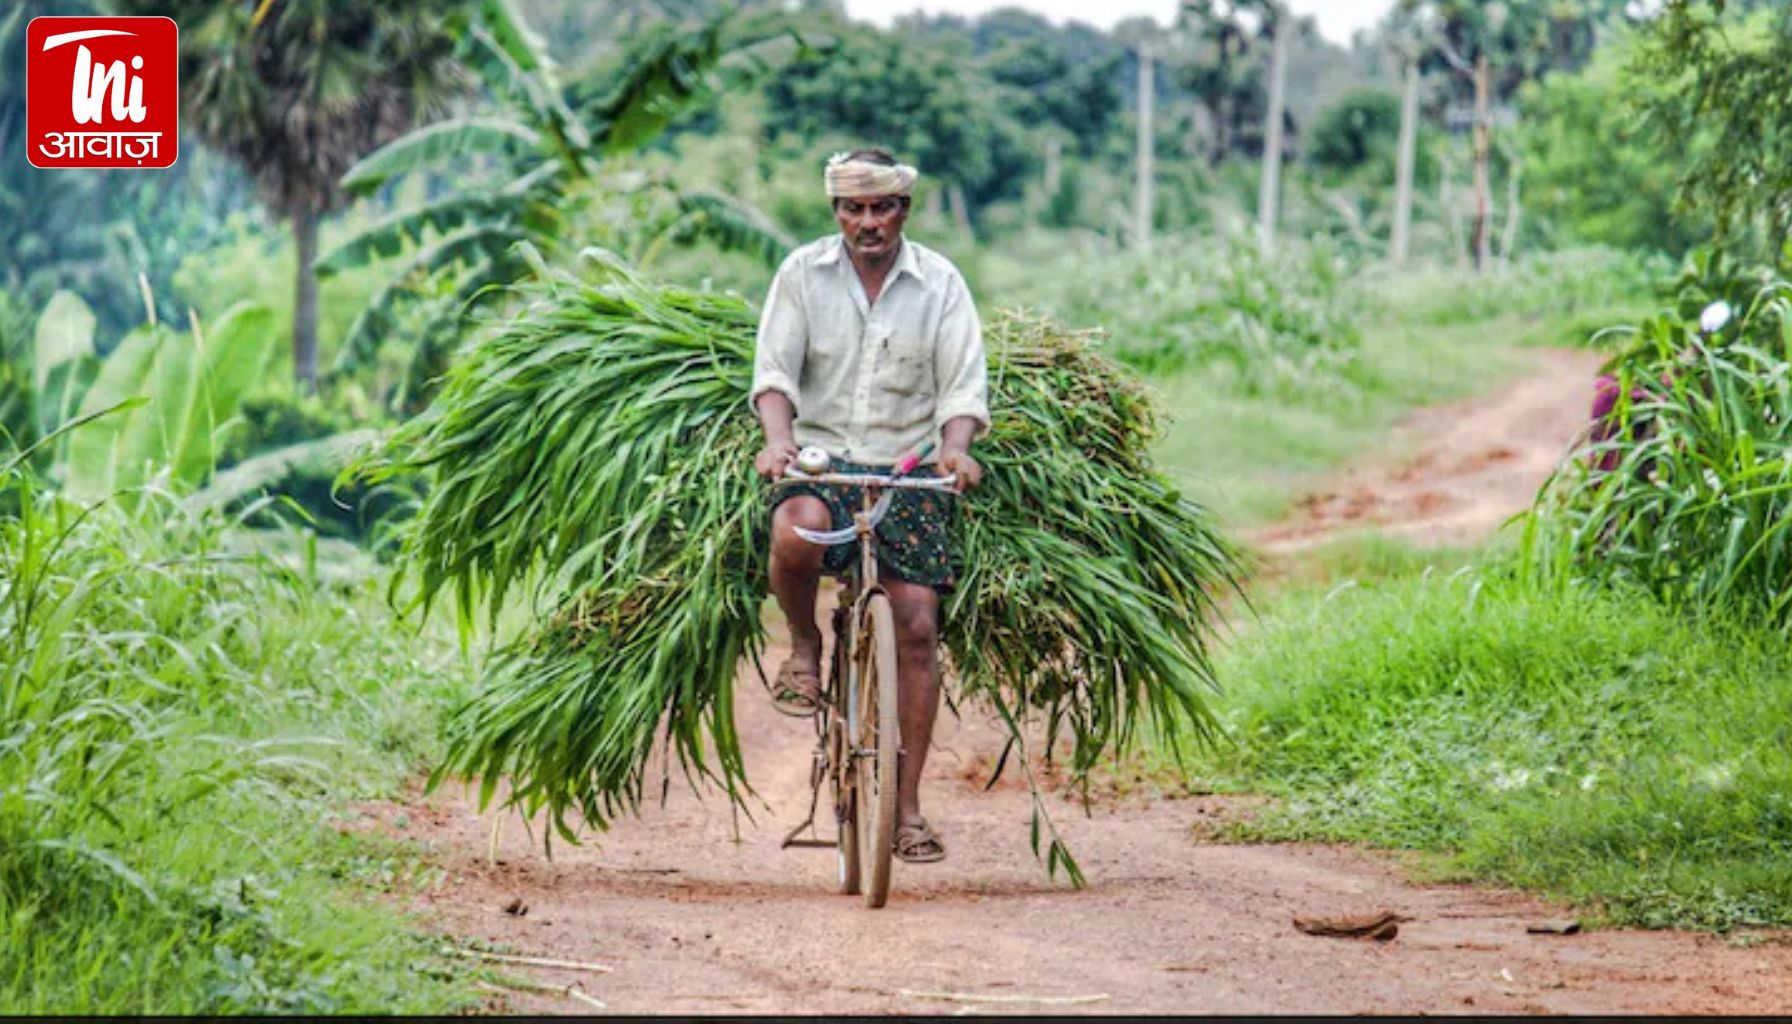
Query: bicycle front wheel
x=878 y=740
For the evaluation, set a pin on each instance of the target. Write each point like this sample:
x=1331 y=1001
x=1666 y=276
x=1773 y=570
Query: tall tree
x=295 y=91
x=1721 y=97
x=1494 y=47
x=1462 y=36
x=932 y=103
x=1403 y=174
x=1402 y=39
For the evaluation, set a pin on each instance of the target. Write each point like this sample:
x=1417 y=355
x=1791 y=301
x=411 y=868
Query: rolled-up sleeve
x=782 y=339
x=960 y=369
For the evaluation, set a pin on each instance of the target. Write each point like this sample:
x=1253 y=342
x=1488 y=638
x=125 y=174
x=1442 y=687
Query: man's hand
x=969 y=473
x=774 y=459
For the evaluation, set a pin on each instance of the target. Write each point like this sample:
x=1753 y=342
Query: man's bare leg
x=796 y=573
x=916 y=608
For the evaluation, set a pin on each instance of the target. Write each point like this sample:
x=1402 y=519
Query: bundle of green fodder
x=1690 y=497
x=595 y=450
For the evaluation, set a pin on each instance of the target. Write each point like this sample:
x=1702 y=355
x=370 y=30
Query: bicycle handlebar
x=906 y=483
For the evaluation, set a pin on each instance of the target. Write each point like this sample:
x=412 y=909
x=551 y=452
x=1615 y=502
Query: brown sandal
x=919 y=844
x=797 y=692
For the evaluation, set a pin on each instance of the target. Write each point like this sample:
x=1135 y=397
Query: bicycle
x=858 y=735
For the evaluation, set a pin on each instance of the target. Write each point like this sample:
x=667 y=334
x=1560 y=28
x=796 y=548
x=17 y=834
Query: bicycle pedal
x=821 y=844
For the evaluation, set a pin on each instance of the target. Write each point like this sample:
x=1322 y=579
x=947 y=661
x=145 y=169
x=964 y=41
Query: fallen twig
x=530 y=961
x=505 y=983
x=577 y=991
x=972 y=997
x=573 y=991
x=1566 y=926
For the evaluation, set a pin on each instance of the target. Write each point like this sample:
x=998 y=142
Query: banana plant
x=167 y=395
x=45 y=372
x=63 y=363
x=538 y=152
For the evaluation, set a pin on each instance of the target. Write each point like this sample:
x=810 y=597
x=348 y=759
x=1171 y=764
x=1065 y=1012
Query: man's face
x=872 y=224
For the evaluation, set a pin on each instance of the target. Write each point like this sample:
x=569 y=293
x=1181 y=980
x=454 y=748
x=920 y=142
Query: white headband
x=856 y=179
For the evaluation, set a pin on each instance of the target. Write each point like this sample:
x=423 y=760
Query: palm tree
x=295 y=91
x=1227 y=43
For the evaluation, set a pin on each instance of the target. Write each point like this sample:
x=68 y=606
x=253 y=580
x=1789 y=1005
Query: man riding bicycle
x=870 y=348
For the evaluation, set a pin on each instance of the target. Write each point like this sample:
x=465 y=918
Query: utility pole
x=1403 y=178
x=1269 y=195
x=1143 y=204
x=1483 y=142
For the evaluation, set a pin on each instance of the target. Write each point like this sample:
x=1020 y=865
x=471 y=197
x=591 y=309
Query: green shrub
x=1595 y=173
x=1363 y=125
x=1699 y=494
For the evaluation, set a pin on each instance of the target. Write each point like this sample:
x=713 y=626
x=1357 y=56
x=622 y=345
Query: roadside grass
x=1364 y=557
x=1586 y=743
x=181 y=722
x=1247 y=455
x=1560 y=287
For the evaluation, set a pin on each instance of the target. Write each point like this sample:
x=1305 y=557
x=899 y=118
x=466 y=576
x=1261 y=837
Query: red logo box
x=102 y=92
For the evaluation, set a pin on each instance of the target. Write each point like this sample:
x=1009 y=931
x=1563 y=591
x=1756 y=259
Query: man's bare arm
x=955 y=451
x=778 y=418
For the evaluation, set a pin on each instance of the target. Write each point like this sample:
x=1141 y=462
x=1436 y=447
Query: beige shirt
x=871 y=382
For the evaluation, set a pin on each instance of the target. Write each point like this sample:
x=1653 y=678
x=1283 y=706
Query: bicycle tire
x=880 y=734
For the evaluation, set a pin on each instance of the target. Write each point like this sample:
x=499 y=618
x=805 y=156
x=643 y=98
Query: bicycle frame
x=839 y=723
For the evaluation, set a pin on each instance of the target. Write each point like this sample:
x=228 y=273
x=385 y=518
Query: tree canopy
x=1723 y=72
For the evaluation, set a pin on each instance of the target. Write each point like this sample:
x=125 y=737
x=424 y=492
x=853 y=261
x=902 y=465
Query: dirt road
x=1453 y=473
x=692 y=921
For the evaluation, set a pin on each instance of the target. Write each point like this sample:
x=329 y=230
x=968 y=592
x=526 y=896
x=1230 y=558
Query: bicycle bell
x=813 y=461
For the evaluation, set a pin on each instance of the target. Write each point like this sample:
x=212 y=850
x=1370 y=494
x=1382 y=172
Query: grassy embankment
x=1590 y=744
x=184 y=725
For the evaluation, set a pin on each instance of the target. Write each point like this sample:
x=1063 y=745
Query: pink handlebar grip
x=909 y=462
